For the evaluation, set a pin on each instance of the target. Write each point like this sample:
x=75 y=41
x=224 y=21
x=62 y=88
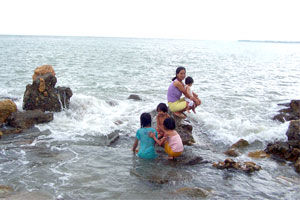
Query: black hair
x=177 y=72
x=145 y=120
x=189 y=80
x=163 y=107
x=169 y=123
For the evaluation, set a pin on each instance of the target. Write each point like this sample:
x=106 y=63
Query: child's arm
x=135 y=144
x=159 y=142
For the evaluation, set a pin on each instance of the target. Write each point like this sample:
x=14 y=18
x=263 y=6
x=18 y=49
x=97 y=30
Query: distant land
x=270 y=41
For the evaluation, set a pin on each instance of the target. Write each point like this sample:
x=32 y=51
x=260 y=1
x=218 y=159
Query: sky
x=178 y=19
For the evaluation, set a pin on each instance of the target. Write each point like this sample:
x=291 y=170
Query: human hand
x=151 y=134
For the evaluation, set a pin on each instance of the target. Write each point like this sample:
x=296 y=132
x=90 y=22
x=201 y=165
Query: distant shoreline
x=271 y=41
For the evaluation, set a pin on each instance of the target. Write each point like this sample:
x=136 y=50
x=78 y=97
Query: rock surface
x=43 y=95
x=7 y=107
x=243 y=166
x=28 y=119
x=292 y=112
x=289 y=150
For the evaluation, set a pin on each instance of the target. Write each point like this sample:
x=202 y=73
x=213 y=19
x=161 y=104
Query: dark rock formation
x=28 y=119
x=292 y=112
x=7 y=107
x=135 y=97
x=185 y=130
x=43 y=95
x=289 y=150
x=231 y=164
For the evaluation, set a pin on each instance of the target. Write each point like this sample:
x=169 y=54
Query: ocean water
x=240 y=85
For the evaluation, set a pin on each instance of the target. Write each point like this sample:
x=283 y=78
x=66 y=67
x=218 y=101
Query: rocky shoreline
x=42 y=98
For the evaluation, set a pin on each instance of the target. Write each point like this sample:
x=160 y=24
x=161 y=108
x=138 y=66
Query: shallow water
x=240 y=85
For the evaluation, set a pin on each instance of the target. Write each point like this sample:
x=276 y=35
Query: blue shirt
x=147 y=149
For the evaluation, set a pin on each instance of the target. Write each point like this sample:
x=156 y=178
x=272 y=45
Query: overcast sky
x=186 y=19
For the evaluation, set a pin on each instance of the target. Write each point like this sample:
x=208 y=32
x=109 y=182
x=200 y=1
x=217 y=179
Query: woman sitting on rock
x=178 y=105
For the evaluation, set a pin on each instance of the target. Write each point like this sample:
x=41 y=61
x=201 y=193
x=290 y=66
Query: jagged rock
x=293 y=132
x=11 y=130
x=193 y=192
x=290 y=113
x=283 y=150
x=7 y=107
x=135 y=97
x=297 y=165
x=44 y=69
x=231 y=152
x=231 y=164
x=43 y=95
x=258 y=154
x=240 y=144
x=185 y=130
x=28 y=119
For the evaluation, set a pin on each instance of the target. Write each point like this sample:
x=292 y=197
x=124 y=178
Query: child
x=162 y=114
x=147 y=143
x=171 y=139
x=189 y=82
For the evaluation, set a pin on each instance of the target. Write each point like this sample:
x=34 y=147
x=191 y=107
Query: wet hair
x=163 y=107
x=189 y=80
x=169 y=123
x=145 y=120
x=177 y=72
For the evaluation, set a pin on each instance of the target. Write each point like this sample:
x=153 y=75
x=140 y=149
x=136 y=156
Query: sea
x=241 y=84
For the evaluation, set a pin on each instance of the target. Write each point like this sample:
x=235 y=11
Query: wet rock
x=258 y=154
x=289 y=150
x=231 y=164
x=28 y=119
x=293 y=132
x=43 y=95
x=4 y=190
x=135 y=97
x=290 y=113
x=44 y=69
x=283 y=150
x=231 y=152
x=297 y=165
x=240 y=144
x=185 y=130
x=193 y=192
x=7 y=107
x=10 y=130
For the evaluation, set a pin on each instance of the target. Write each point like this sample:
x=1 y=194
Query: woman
x=178 y=105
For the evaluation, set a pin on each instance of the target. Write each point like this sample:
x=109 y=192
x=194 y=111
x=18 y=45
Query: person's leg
x=178 y=107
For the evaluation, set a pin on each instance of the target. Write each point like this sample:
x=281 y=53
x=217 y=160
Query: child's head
x=162 y=107
x=145 y=120
x=169 y=123
x=189 y=80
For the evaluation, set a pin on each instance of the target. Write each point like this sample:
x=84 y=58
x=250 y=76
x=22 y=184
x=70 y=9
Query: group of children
x=165 y=133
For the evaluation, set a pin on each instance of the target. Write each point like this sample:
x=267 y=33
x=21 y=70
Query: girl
x=147 y=143
x=162 y=114
x=172 y=140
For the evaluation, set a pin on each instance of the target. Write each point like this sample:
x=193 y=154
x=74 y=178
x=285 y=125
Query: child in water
x=147 y=149
x=171 y=140
x=188 y=84
x=162 y=114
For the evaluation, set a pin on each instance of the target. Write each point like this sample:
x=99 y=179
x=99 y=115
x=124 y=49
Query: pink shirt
x=175 y=143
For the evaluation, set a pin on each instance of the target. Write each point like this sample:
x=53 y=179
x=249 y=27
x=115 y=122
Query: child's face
x=159 y=111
